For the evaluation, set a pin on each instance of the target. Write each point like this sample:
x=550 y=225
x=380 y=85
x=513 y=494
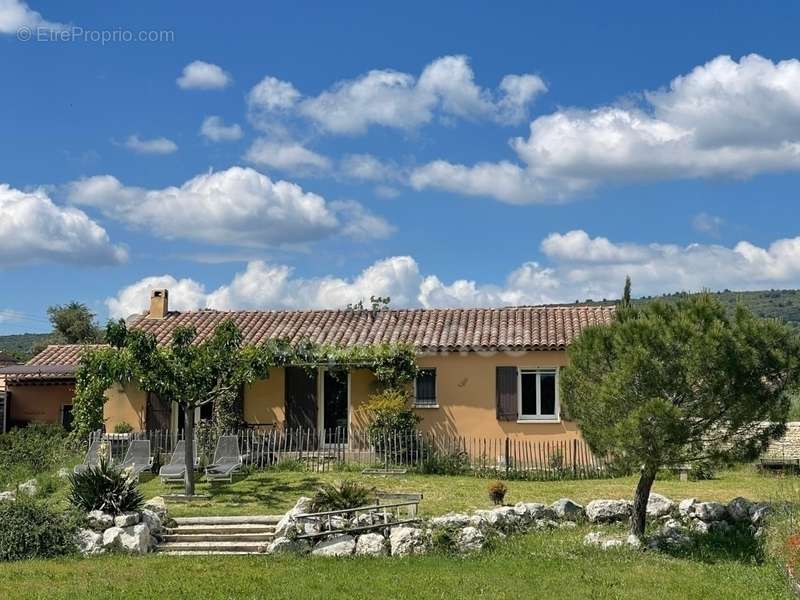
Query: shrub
x=702 y=471
x=30 y=450
x=341 y=496
x=105 y=487
x=392 y=425
x=497 y=492
x=33 y=529
x=123 y=427
x=445 y=463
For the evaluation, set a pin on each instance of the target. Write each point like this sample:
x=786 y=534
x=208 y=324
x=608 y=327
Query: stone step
x=219 y=537
x=196 y=547
x=235 y=520
x=207 y=553
x=221 y=529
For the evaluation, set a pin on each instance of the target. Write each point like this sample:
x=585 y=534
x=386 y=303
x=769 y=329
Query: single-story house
x=486 y=373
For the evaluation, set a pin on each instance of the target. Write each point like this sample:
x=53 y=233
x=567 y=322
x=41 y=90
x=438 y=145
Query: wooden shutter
x=506 y=384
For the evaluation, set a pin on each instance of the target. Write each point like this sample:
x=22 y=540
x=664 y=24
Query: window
x=538 y=395
x=425 y=388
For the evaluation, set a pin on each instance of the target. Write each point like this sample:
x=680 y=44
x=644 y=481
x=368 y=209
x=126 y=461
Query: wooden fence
x=340 y=449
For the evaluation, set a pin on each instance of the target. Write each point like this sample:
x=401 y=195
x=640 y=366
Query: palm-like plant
x=105 y=487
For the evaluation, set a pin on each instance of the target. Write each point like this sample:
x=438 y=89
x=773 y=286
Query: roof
x=429 y=330
x=54 y=364
x=7 y=359
x=521 y=328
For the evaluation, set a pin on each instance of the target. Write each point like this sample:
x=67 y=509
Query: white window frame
x=435 y=389
x=538 y=417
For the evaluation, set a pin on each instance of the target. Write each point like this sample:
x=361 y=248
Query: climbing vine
x=221 y=365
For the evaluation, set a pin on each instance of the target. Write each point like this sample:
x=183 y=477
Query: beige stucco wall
x=465 y=392
x=125 y=403
x=38 y=403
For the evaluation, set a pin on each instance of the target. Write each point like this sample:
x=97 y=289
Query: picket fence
x=426 y=452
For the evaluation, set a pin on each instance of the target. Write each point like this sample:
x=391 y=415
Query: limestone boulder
x=136 y=539
x=112 y=538
x=158 y=505
x=127 y=519
x=659 y=506
x=30 y=487
x=90 y=542
x=371 y=544
x=152 y=520
x=710 y=511
x=470 y=539
x=686 y=507
x=99 y=521
x=287 y=522
x=335 y=545
x=739 y=509
x=759 y=513
x=450 y=520
x=568 y=510
x=608 y=511
x=404 y=541
x=7 y=496
x=284 y=545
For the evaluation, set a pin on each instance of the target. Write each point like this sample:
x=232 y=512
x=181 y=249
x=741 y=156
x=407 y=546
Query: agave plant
x=341 y=496
x=105 y=487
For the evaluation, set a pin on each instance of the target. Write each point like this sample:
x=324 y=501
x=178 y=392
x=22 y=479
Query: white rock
x=700 y=527
x=372 y=518
x=686 y=507
x=158 y=505
x=659 y=506
x=739 y=509
x=470 y=539
x=63 y=473
x=136 y=539
x=406 y=540
x=567 y=509
x=152 y=520
x=127 y=519
x=30 y=487
x=335 y=545
x=709 y=511
x=672 y=526
x=99 y=521
x=371 y=544
x=451 y=520
x=534 y=510
x=545 y=524
x=595 y=538
x=90 y=542
x=287 y=522
x=608 y=511
x=111 y=537
x=633 y=541
x=7 y=496
x=334 y=523
x=611 y=544
x=567 y=525
x=284 y=545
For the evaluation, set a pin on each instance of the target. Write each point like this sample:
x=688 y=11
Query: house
x=483 y=372
x=7 y=359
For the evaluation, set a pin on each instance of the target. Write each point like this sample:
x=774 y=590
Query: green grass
x=272 y=492
x=545 y=565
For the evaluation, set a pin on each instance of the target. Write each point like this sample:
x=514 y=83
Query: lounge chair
x=92 y=458
x=137 y=458
x=175 y=469
x=227 y=459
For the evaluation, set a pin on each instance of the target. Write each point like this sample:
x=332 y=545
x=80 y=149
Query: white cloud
x=286 y=155
x=160 y=145
x=724 y=119
x=33 y=229
x=708 y=224
x=200 y=75
x=580 y=267
x=360 y=224
x=184 y=294
x=398 y=100
x=15 y=14
x=367 y=167
x=215 y=129
x=238 y=206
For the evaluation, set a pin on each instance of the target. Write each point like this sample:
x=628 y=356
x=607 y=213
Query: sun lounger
x=92 y=458
x=137 y=458
x=227 y=459
x=175 y=470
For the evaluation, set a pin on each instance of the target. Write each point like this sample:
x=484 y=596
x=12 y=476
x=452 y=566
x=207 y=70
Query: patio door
x=335 y=406
x=301 y=398
x=158 y=414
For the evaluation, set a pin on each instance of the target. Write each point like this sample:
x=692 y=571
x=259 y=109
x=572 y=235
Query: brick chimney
x=159 y=304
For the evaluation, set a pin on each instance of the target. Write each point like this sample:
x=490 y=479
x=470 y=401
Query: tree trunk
x=188 y=433
x=638 y=519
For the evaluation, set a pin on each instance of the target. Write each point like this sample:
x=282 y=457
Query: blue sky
x=444 y=154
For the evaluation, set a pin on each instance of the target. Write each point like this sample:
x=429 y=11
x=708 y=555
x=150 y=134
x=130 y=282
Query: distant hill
x=782 y=304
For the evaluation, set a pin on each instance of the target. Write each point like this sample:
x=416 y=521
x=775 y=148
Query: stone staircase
x=219 y=535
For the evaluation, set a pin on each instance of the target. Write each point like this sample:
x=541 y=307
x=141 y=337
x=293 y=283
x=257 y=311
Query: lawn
x=273 y=492
x=545 y=565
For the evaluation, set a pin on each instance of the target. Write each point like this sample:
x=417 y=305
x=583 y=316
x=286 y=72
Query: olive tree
x=668 y=383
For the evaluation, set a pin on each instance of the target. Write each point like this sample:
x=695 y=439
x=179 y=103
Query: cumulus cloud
x=215 y=129
x=579 y=267
x=160 y=145
x=286 y=155
x=33 y=229
x=15 y=14
x=200 y=75
x=184 y=294
x=723 y=119
x=238 y=206
x=394 y=99
x=366 y=167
